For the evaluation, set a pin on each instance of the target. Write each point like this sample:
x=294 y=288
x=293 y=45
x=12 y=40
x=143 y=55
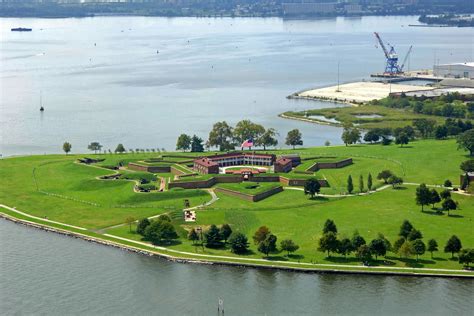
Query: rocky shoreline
x=170 y=258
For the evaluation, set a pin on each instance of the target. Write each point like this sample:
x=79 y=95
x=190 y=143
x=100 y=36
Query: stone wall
x=330 y=165
x=250 y=197
x=152 y=169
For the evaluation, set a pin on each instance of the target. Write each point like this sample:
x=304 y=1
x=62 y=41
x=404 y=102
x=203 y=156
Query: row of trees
x=409 y=243
x=96 y=147
x=425 y=196
x=186 y=142
x=157 y=231
x=449 y=105
x=226 y=137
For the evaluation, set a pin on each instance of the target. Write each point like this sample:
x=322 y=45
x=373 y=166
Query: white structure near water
x=455 y=70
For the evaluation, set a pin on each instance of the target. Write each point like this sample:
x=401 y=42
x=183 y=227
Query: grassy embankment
x=389 y=117
x=70 y=193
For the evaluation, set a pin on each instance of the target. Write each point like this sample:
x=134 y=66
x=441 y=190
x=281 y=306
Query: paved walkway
x=13 y=209
x=236 y=259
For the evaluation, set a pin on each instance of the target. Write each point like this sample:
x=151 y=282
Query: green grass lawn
x=57 y=187
x=389 y=117
x=251 y=188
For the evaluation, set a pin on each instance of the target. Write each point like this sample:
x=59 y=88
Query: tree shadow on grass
x=399 y=188
x=276 y=258
x=439 y=259
x=296 y=257
x=319 y=198
x=438 y=213
x=342 y=259
x=168 y=243
x=456 y=216
x=411 y=262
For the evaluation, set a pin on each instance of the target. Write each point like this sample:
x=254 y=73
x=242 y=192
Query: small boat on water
x=21 y=29
x=41 y=103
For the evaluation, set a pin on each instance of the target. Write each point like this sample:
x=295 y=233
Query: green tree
x=142 y=225
x=398 y=244
x=213 y=237
x=395 y=181
x=67 y=147
x=160 y=231
x=432 y=246
x=120 y=149
x=448 y=183
x=402 y=139
x=364 y=254
x=184 y=142
x=418 y=247
x=238 y=243
x=385 y=174
x=95 y=147
x=294 y=138
x=350 y=185
x=268 y=138
x=465 y=182
x=329 y=226
x=357 y=240
x=328 y=243
x=453 y=245
x=467 y=166
x=344 y=247
x=369 y=182
x=221 y=136
x=196 y=144
x=405 y=229
x=261 y=234
x=361 y=184
x=414 y=234
x=289 y=246
x=425 y=126
x=268 y=245
x=445 y=194
x=449 y=205
x=129 y=221
x=378 y=247
x=350 y=135
x=466 y=141
x=466 y=257
x=312 y=187
x=406 y=249
x=226 y=231
x=193 y=236
x=435 y=198
x=246 y=129
x=423 y=195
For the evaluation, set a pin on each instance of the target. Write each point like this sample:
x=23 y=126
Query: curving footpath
x=228 y=260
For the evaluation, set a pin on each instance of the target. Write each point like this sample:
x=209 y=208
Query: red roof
x=205 y=162
x=283 y=161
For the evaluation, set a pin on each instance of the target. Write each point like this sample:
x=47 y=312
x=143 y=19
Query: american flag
x=248 y=143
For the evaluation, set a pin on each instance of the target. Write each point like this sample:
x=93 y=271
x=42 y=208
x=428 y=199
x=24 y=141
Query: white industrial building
x=456 y=70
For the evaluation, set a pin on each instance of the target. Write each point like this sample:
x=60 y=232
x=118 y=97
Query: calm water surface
x=49 y=274
x=103 y=80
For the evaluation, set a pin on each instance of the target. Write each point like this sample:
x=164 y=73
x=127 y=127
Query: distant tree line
x=226 y=138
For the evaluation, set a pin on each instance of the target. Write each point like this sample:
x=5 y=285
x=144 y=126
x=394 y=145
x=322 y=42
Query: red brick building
x=211 y=164
x=283 y=165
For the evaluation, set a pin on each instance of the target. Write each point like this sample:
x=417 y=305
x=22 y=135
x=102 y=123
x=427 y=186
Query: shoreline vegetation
x=304 y=268
x=74 y=197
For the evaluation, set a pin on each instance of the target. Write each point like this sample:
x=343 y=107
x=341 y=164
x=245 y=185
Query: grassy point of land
x=55 y=187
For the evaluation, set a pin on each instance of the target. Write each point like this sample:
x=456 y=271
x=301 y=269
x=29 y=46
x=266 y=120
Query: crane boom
x=406 y=57
x=381 y=44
